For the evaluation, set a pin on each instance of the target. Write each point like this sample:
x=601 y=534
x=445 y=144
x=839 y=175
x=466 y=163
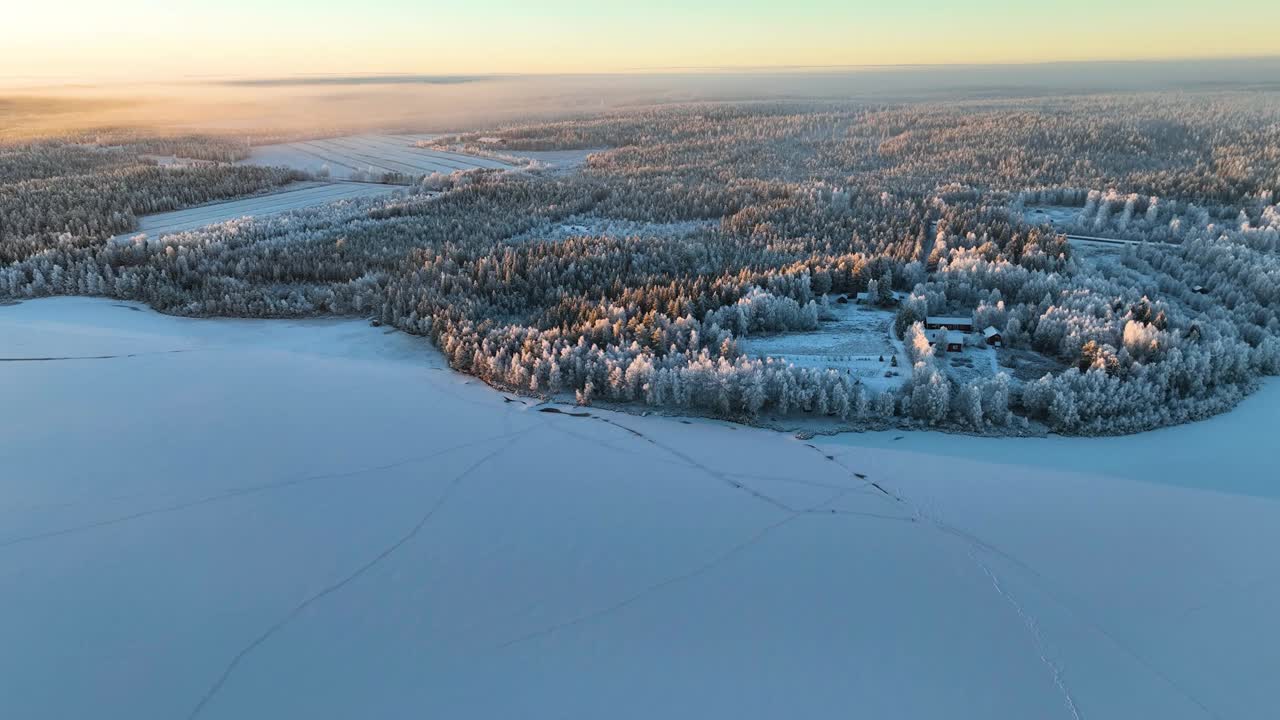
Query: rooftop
x=949 y=320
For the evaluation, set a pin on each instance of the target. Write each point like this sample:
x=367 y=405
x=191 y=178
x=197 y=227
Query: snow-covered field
x=1064 y=218
x=1094 y=249
x=856 y=341
x=372 y=155
x=233 y=519
x=556 y=159
x=1052 y=214
x=291 y=197
x=365 y=157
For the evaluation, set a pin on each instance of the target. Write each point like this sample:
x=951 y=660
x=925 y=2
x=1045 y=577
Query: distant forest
x=738 y=220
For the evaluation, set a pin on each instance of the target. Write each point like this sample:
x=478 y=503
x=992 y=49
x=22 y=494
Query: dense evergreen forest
x=634 y=279
x=79 y=191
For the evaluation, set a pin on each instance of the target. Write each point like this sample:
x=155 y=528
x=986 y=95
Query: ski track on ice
x=352 y=577
x=693 y=463
x=1037 y=637
x=975 y=544
x=792 y=513
x=94 y=357
x=702 y=569
x=242 y=492
x=732 y=479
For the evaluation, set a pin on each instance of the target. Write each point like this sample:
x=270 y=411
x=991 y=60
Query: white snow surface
x=291 y=197
x=375 y=154
x=275 y=519
x=858 y=341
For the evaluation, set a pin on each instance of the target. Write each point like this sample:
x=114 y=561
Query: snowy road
x=231 y=519
x=292 y=197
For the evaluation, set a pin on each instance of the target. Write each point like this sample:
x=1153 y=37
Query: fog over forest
x=461 y=102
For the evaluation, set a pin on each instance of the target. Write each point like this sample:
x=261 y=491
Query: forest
x=709 y=223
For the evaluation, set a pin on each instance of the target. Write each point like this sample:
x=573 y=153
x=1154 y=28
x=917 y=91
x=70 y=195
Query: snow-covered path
x=231 y=519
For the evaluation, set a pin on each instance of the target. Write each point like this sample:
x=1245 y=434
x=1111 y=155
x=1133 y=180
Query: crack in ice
x=93 y=357
x=1051 y=589
x=351 y=577
x=241 y=492
x=702 y=569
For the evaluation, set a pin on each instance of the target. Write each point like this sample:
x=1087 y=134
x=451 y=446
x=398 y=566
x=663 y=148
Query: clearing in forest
x=368 y=157
x=856 y=341
x=291 y=197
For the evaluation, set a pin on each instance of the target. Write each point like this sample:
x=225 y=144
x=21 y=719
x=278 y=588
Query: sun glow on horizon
x=149 y=39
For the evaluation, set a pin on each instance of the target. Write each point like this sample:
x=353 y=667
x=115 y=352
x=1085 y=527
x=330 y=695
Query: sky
x=163 y=39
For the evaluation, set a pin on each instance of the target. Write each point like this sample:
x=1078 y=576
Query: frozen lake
x=232 y=518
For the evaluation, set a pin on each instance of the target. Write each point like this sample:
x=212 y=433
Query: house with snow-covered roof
x=948 y=340
x=950 y=322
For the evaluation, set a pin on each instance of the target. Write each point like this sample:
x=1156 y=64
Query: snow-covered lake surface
x=234 y=519
x=291 y=197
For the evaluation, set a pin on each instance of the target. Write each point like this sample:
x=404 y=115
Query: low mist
x=324 y=103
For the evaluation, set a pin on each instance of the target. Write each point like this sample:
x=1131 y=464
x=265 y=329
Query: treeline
x=1253 y=220
x=197 y=147
x=1210 y=148
x=91 y=207
x=1142 y=347
x=633 y=280
x=36 y=161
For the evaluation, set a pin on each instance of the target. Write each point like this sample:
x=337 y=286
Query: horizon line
x=639 y=70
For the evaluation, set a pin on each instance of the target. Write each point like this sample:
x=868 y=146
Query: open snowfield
x=1064 y=217
x=291 y=197
x=372 y=154
x=1052 y=214
x=243 y=519
x=1093 y=250
x=856 y=341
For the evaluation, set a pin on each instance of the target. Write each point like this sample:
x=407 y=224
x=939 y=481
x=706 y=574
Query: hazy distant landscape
x=907 y=390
